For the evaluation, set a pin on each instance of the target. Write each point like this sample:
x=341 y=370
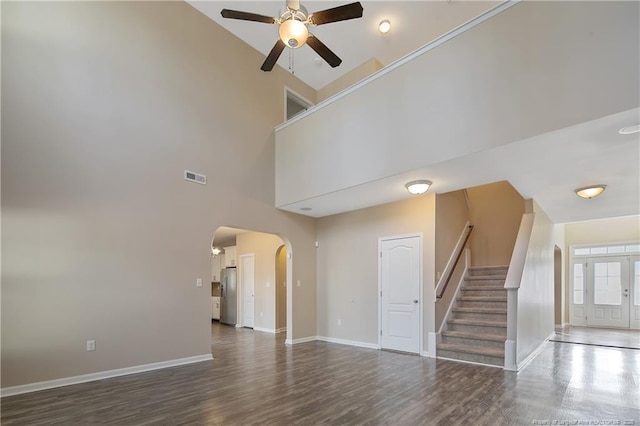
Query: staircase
x=477 y=326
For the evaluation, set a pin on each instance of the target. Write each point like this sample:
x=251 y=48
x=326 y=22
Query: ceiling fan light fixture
x=384 y=26
x=590 y=191
x=417 y=187
x=629 y=130
x=293 y=33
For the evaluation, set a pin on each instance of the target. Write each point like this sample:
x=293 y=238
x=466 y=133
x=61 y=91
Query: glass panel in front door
x=608 y=292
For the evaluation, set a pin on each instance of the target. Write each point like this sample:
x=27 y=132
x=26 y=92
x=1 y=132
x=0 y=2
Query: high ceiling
x=414 y=23
x=547 y=168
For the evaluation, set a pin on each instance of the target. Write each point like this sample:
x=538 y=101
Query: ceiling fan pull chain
x=291 y=61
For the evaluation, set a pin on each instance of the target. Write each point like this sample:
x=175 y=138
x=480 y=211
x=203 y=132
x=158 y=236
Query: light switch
x=199 y=282
x=298 y=283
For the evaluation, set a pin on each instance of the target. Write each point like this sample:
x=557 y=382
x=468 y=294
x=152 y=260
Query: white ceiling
x=355 y=41
x=547 y=168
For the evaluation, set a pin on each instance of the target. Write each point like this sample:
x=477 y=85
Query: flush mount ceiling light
x=590 y=191
x=629 y=130
x=215 y=251
x=384 y=26
x=417 y=187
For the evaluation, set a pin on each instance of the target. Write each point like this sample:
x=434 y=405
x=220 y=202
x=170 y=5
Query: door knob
x=415 y=300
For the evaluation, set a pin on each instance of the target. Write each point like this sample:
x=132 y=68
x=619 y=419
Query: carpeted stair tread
x=483 y=288
x=481 y=310
x=478 y=350
x=482 y=323
x=485 y=277
x=476 y=336
x=482 y=299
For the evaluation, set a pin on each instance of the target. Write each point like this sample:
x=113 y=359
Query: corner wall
x=348 y=266
x=535 y=296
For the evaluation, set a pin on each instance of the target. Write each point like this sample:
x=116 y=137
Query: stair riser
x=500 y=331
x=497 y=271
x=481 y=316
x=493 y=305
x=472 y=291
x=475 y=342
x=471 y=357
x=476 y=283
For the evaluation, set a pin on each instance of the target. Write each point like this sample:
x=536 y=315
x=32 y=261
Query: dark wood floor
x=255 y=378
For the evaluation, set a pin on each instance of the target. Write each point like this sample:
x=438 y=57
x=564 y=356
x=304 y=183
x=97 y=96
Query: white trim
x=411 y=56
x=348 y=342
x=520 y=251
x=295 y=94
x=535 y=353
x=49 y=384
x=470 y=362
x=432 y=339
x=240 y=291
x=425 y=354
x=265 y=330
x=510 y=355
x=420 y=280
x=300 y=340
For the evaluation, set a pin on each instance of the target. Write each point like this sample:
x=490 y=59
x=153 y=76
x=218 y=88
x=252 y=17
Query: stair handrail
x=453 y=261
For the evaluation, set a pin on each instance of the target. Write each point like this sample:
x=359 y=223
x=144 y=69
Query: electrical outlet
x=339 y=322
x=261 y=314
x=298 y=283
x=268 y=284
x=199 y=282
x=91 y=345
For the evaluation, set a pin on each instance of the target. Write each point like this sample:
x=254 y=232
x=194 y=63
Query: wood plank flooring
x=613 y=337
x=256 y=379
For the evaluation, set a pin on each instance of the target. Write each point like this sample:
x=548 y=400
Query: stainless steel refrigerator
x=228 y=296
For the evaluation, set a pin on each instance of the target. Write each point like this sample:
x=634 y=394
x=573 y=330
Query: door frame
x=420 y=280
x=240 y=286
x=593 y=251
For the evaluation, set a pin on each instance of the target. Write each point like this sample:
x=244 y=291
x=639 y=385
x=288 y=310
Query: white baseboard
x=470 y=362
x=535 y=352
x=56 y=383
x=300 y=340
x=426 y=354
x=348 y=342
x=265 y=330
x=432 y=340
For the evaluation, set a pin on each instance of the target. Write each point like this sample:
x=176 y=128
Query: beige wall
x=281 y=288
x=605 y=231
x=354 y=76
x=104 y=105
x=496 y=211
x=348 y=265
x=263 y=247
x=452 y=214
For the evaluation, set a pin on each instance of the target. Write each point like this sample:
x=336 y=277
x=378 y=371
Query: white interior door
x=608 y=292
x=247 y=285
x=400 y=280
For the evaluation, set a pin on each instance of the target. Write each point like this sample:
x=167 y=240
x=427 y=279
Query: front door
x=247 y=287
x=400 y=281
x=608 y=292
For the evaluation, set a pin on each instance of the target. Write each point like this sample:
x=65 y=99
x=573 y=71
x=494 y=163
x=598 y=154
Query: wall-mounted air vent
x=195 y=177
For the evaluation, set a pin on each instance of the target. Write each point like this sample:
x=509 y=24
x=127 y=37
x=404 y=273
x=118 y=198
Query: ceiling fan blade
x=247 y=16
x=293 y=4
x=340 y=13
x=322 y=50
x=275 y=53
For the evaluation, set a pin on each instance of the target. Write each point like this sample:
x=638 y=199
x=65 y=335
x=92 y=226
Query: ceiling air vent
x=195 y=177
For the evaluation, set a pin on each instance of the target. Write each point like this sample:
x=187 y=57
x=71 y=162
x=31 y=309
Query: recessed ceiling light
x=628 y=130
x=384 y=26
x=590 y=191
x=305 y=209
x=417 y=187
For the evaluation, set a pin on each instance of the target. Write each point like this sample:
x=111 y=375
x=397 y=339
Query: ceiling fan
x=293 y=28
